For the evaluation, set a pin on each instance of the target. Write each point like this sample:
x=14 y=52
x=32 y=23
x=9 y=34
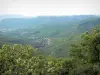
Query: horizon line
x=49 y=15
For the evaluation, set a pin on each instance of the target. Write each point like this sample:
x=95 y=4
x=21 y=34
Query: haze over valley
x=49 y=37
x=44 y=31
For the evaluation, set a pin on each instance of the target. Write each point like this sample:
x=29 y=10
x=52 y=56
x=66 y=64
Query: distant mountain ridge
x=11 y=21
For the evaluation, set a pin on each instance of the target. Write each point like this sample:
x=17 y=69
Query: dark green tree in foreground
x=89 y=48
x=87 y=54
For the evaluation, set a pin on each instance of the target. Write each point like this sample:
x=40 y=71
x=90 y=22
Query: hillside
x=52 y=34
x=89 y=24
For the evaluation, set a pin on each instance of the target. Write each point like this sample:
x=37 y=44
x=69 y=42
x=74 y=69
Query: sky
x=50 y=7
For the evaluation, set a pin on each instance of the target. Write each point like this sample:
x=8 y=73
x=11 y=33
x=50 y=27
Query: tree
x=86 y=54
x=89 y=48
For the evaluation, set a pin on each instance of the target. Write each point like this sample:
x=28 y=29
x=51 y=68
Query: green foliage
x=25 y=60
x=86 y=69
x=89 y=47
x=86 y=54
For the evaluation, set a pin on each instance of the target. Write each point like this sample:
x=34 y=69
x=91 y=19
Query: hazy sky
x=49 y=7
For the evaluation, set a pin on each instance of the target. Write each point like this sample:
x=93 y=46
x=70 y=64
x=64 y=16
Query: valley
x=52 y=34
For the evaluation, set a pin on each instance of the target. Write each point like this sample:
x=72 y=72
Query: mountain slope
x=89 y=24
